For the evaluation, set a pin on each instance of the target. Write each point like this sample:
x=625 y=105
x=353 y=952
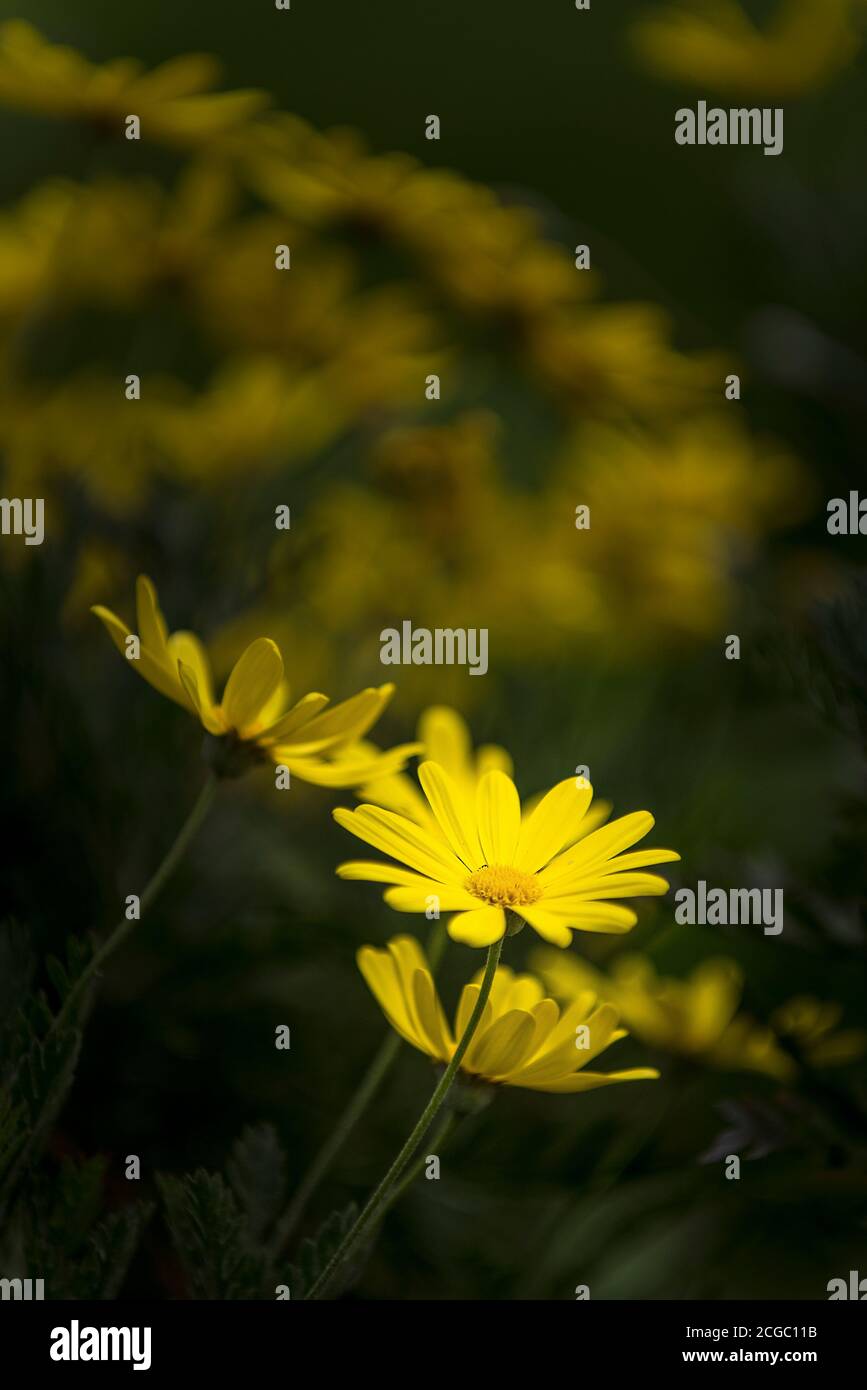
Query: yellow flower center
x=499 y=885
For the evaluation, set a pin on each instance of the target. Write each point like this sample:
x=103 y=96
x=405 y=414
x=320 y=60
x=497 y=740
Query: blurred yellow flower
x=713 y=42
x=112 y=241
x=809 y=1025
x=174 y=102
x=608 y=358
x=444 y=738
x=674 y=514
x=523 y=1039
x=483 y=859
x=485 y=256
x=77 y=429
x=694 y=1017
x=698 y=1017
x=254 y=413
x=253 y=715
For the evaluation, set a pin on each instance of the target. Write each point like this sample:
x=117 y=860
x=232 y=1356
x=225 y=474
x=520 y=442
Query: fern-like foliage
x=60 y=1233
x=315 y=1252
x=258 y=1173
x=211 y=1237
x=39 y=1057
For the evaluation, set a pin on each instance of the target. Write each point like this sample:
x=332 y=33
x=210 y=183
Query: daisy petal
x=430 y=1016
x=610 y=886
x=404 y=841
x=380 y=974
x=151 y=624
x=549 y=927
x=481 y=927
x=341 y=771
x=587 y=916
x=351 y=719
x=552 y=824
x=255 y=676
x=453 y=813
x=640 y=859
x=157 y=674
x=466 y=1004
x=593 y=1080
x=295 y=718
x=500 y=1049
x=372 y=871
x=446 y=739
x=601 y=846
x=490 y=757
x=498 y=815
x=418 y=897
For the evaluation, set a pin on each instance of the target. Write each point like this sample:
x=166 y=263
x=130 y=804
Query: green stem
x=122 y=930
x=370 y=1084
x=376 y=1203
x=373 y=1078
x=437 y=1140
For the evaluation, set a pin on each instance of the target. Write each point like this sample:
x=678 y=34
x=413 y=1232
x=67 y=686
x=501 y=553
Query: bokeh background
x=559 y=387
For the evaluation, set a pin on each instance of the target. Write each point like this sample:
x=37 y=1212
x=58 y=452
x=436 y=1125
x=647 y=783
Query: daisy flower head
x=255 y=720
x=523 y=1038
x=497 y=867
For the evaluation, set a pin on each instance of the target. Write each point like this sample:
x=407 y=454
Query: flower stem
x=444 y=1129
x=370 y=1083
x=121 y=931
x=377 y=1201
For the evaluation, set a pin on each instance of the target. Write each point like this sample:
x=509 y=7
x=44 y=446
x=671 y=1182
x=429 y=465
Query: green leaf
x=257 y=1171
x=67 y=1241
x=32 y=1100
x=209 y=1233
x=40 y=1059
x=314 y=1254
x=111 y=1247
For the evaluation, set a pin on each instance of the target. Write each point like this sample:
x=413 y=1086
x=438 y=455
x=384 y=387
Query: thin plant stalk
x=437 y=1140
x=377 y=1202
x=369 y=1085
x=118 y=935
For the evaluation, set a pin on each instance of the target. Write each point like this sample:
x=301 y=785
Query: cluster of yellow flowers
x=460 y=841
x=296 y=361
x=293 y=363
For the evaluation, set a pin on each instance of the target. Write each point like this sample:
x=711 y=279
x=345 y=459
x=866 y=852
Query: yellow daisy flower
x=523 y=1039
x=446 y=739
x=693 y=1017
x=482 y=858
x=698 y=1017
x=254 y=716
x=173 y=102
